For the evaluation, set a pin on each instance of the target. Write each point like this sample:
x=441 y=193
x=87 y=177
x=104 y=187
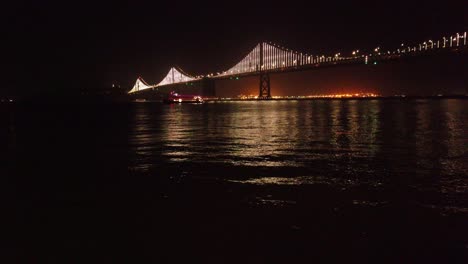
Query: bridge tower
x=264 y=79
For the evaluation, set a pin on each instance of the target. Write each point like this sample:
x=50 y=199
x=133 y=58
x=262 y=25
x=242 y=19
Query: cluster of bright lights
x=346 y=95
x=350 y=95
x=250 y=96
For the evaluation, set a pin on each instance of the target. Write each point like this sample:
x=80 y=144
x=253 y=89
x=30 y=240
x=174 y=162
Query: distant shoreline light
x=354 y=95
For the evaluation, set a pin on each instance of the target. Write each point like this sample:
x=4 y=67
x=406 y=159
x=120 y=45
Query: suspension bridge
x=268 y=58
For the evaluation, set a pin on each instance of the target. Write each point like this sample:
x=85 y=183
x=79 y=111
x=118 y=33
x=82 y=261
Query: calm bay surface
x=238 y=182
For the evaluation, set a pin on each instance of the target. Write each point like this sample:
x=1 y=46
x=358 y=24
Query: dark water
x=365 y=181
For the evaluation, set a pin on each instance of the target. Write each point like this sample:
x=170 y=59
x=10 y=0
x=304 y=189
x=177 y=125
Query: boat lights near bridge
x=7 y=100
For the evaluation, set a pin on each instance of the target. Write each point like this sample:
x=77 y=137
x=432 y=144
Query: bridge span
x=267 y=58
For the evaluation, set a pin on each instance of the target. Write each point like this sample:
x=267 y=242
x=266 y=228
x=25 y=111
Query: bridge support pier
x=208 y=87
x=264 y=86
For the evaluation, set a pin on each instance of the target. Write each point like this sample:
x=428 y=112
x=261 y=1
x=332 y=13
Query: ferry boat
x=175 y=97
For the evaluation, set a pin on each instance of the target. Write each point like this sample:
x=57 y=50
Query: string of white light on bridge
x=276 y=57
x=173 y=76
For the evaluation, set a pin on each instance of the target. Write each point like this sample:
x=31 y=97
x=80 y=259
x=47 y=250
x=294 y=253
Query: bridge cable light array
x=174 y=76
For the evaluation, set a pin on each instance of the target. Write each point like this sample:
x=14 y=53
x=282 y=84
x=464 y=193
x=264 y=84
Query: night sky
x=57 y=46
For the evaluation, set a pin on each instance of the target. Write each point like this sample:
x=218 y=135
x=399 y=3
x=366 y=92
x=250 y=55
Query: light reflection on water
x=353 y=171
x=259 y=134
x=302 y=180
x=418 y=143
